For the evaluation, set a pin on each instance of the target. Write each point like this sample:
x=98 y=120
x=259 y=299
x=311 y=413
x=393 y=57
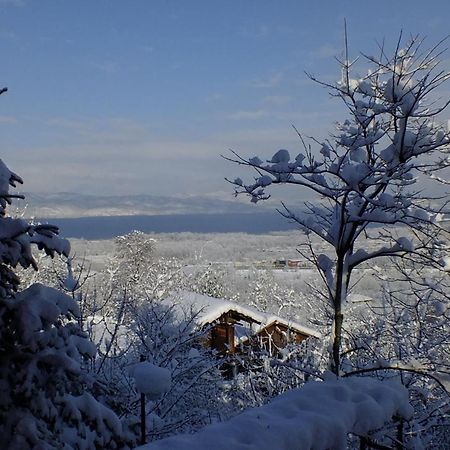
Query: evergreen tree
x=46 y=398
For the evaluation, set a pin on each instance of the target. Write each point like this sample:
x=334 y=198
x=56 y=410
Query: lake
x=107 y=227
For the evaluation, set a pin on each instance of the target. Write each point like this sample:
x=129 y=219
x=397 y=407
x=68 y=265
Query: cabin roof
x=209 y=309
x=358 y=298
x=272 y=319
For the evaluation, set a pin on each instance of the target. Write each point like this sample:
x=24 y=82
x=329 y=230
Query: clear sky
x=142 y=96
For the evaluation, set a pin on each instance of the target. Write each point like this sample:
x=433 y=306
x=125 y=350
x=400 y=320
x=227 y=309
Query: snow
x=255 y=161
x=359 y=155
x=39 y=306
x=281 y=156
x=446 y=263
x=150 y=379
x=358 y=298
x=405 y=244
x=325 y=150
x=401 y=92
x=106 y=422
x=69 y=283
x=444 y=378
x=439 y=308
x=324 y=262
x=272 y=319
x=5 y=175
x=299 y=158
x=7 y=179
x=319 y=416
x=264 y=181
x=194 y=353
x=83 y=346
x=208 y=308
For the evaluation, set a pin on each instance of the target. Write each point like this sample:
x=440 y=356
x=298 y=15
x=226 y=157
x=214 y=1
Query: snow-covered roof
x=210 y=309
x=358 y=298
x=270 y=319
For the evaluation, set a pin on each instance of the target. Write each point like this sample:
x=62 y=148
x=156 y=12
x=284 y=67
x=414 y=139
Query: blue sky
x=143 y=96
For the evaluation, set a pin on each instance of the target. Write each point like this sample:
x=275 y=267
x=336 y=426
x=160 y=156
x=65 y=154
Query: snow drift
x=320 y=415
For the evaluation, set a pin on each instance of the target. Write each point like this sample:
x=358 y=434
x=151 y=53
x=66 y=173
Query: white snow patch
x=151 y=380
x=281 y=156
x=446 y=263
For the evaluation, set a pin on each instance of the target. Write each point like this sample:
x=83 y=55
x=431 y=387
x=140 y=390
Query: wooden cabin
x=234 y=328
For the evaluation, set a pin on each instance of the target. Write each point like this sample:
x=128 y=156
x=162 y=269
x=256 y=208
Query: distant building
x=291 y=264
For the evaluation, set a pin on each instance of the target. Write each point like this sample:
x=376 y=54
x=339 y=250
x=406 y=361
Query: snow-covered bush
x=263 y=376
x=165 y=339
x=46 y=398
x=406 y=337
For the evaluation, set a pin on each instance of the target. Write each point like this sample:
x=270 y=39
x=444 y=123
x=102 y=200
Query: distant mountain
x=68 y=204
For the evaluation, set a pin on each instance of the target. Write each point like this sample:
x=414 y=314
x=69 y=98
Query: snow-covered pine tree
x=46 y=398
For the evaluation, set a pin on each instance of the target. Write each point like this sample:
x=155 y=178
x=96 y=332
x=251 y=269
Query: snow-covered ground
x=242 y=256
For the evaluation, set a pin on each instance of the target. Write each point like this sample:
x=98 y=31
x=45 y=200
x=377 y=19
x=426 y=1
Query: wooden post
x=143 y=424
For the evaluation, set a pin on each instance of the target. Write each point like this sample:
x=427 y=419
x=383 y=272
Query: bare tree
x=371 y=171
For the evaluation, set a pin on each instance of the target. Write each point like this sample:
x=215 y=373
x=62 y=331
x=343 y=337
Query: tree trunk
x=337 y=338
x=338 y=317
